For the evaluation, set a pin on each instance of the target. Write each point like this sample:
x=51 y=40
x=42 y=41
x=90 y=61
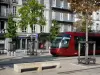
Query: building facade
x=58 y=10
x=4 y=12
x=96 y=21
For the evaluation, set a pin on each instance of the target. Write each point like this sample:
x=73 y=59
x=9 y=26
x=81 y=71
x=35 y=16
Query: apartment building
x=4 y=11
x=96 y=21
x=54 y=10
x=61 y=12
x=6 y=8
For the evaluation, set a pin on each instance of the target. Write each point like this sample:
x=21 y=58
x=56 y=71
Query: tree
x=31 y=13
x=54 y=30
x=11 y=33
x=85 y=7
x=80 y=24
x=11 y=28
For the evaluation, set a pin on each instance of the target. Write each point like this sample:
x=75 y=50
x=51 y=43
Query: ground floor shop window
x=1 y=46
x=23 y=43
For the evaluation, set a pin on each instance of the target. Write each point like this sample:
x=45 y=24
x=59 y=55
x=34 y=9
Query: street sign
x=29 y=35
x=36 y=35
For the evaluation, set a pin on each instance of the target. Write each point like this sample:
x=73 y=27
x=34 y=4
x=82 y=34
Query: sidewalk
x=68 y=65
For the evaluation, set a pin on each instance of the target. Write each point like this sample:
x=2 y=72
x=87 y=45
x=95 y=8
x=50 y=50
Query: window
x=96 y=39
x=58 y=15
x=68 y=5
x=61 y=16
x=65 y=42
x=23 y=43
x=77 y=39
x=62 y=4
x=14 y=1
x=24 y=30
x=23 y=1
x=53 y=15
x=61 y=41
x=14 y=10
x=41 y=1
x=1 y=26
x=1 y=46
x=68 y=16
x=3 y=11
x=97 y=26
x=65 y=16
x=53 y=3
x=45 y=14
x=61 y=27
x=66 y=27
x=97 y=13
x=41 y=28
x=33 y=29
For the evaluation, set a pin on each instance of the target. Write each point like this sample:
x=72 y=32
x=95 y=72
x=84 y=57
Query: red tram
x=66 y=44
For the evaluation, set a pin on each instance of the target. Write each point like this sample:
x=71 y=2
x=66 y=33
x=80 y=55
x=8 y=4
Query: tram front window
x=60 y=42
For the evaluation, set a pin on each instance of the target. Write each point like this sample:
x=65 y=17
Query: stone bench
x=38 y=65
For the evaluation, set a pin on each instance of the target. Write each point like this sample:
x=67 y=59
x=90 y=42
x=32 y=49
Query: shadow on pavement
x=2 y=67
x=8 y=62
x=73 y=71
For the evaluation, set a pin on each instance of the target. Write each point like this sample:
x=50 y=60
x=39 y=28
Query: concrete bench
x=38 y=65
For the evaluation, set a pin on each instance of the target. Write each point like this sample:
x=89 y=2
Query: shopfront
x=22 y=42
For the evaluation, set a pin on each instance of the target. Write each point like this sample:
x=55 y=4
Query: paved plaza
x=69 y=65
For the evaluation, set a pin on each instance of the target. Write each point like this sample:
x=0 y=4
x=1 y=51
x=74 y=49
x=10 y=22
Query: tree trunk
x=86 y=35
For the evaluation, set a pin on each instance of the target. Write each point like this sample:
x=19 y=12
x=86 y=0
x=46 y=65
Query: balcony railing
x=61 y=6
x=15 y=1
x=4 y=1
x=63 y=19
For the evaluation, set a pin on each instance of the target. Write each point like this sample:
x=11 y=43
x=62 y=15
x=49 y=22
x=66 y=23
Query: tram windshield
x=60 y=42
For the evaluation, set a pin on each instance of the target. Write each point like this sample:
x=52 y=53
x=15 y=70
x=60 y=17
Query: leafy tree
x=31 y=13
x=11 y=28
x=80 y=25
x=54 y=30
x=85 y=7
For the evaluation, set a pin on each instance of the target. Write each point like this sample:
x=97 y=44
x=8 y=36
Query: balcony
x=97 y=19
x=23 y=1
x=14 y=2
x=62 y=20
x=3 y=15
x=61 y=7
x=61 y=17
x=4 y=2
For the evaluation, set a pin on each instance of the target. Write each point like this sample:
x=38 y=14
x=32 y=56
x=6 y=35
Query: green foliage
x=86 y=6
x=80 y=25
x=31 y=13
x=54 y=31
x=11 y=29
